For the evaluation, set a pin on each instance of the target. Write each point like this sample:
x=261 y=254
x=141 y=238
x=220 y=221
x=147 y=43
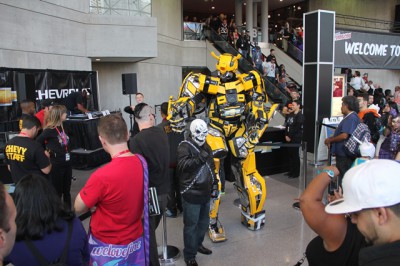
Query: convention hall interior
x=114 y=49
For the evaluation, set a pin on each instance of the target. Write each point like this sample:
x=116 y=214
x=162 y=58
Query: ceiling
x=228 y=6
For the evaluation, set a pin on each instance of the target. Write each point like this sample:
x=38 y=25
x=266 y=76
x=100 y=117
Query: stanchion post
x=170 y=253
x=304 y=148
x=316 y=143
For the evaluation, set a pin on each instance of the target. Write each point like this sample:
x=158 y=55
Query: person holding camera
x=196 y=171
x=338 y=241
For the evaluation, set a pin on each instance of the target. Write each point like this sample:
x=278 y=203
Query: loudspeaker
x=129 y=83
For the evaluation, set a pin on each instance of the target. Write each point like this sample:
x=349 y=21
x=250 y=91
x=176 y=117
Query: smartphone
x=333 y=186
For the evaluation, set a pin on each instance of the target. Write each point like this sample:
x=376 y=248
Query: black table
x=83 y=133
x=276 y=161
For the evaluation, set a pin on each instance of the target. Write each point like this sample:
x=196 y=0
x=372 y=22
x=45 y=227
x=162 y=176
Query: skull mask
x=199 y=131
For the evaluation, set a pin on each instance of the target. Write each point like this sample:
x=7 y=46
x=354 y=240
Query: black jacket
x=196 y=171
x=294 y=127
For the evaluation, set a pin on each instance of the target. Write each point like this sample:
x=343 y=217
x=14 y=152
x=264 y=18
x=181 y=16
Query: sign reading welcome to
x=367 y=50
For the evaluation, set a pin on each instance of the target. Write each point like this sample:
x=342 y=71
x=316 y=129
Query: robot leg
x=217 y=143
x=252 y=192
x=215 y=229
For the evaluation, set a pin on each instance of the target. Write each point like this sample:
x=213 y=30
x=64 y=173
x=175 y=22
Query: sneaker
x=222 y=192
x=170 y=214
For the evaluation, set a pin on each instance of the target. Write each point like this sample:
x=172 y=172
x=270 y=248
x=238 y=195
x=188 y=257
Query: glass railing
x=367 y=23
x=295 y=53
x=193 y=31
x=138 y=8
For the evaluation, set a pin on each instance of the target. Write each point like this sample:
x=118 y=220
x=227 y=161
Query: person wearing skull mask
x=198 y=182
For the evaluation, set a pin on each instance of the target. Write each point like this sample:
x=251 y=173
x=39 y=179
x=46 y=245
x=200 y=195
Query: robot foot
x=216 y=233
x=253 y=222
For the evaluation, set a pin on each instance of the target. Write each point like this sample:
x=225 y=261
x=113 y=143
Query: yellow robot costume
x=237 y=111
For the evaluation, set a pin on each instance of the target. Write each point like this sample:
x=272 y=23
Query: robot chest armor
x=230 y=100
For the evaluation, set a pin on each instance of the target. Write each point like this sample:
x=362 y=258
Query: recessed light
x=244 y=3
x=279 y=15
x=299 y=7
x=269 y=16
x=213 y=7
x=281 y=0
x=98 y=59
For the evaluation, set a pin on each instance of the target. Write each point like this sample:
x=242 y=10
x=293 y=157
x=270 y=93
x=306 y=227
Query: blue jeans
x=195 y=224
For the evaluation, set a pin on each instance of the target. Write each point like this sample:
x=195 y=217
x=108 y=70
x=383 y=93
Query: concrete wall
x=381 y=10
x=158 y=77
x=51 y=34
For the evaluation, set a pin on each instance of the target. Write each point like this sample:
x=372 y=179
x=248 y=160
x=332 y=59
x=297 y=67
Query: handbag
x=134 y=253
x=62 y=261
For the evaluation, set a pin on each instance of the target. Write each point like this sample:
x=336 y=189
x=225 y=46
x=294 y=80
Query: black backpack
x=374 y=124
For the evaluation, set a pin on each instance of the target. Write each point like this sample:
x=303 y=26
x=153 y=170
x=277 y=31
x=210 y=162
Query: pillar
x=318 y=67
x=264 y=22
x=249 y=17
x=238 y=13
x=255 y=15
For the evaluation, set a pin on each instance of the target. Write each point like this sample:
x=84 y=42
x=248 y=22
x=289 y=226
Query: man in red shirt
x=115 y=191
x=46 y=105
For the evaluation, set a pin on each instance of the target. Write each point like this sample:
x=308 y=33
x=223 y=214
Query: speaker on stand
x=129 y=86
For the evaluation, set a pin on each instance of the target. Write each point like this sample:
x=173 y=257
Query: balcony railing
x=139 y=8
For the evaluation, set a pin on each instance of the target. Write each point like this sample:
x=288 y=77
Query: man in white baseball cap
x=371 y=195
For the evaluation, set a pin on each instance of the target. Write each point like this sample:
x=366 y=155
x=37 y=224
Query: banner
x=20 y=84
x=366 y=50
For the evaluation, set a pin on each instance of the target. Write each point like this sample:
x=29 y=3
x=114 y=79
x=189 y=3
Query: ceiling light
x=244 y=3
x=269 y=16
x=98 y=59
x=279 y=15
x=213 y=7
x=299 y=7
x=281 y=0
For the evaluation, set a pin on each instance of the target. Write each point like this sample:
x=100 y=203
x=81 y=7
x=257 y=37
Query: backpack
x=374 y=124
x=352 y=144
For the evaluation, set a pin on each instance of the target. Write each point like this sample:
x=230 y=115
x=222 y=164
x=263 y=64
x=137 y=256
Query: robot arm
x=191 y=99
x=258 y=113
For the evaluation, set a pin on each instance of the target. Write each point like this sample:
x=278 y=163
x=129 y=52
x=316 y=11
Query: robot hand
x=180 y=110
x=252 y=129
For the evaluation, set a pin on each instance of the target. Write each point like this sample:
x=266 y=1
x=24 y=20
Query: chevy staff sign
x=366 y=50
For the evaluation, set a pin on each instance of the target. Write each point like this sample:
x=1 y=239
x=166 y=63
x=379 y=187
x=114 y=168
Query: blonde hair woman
x=55 y=141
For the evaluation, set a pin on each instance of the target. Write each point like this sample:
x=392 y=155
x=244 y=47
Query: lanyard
x=63 y=138
x=23 y=134
x=120 y=153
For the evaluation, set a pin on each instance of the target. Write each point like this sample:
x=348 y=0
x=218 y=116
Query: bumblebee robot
x=235 y=106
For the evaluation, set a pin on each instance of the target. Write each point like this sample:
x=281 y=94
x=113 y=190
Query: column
x=255 y=16
x=238 y=13
x=318 y=67
x=249 y=17
x=264 y=21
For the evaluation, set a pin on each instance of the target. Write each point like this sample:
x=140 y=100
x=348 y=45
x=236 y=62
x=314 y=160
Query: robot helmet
x=198 y=131
x=226 y=63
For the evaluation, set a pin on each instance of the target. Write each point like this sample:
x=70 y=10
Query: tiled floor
x=281 y=241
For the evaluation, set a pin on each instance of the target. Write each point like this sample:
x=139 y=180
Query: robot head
x=198 y=131
x=227 y=65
